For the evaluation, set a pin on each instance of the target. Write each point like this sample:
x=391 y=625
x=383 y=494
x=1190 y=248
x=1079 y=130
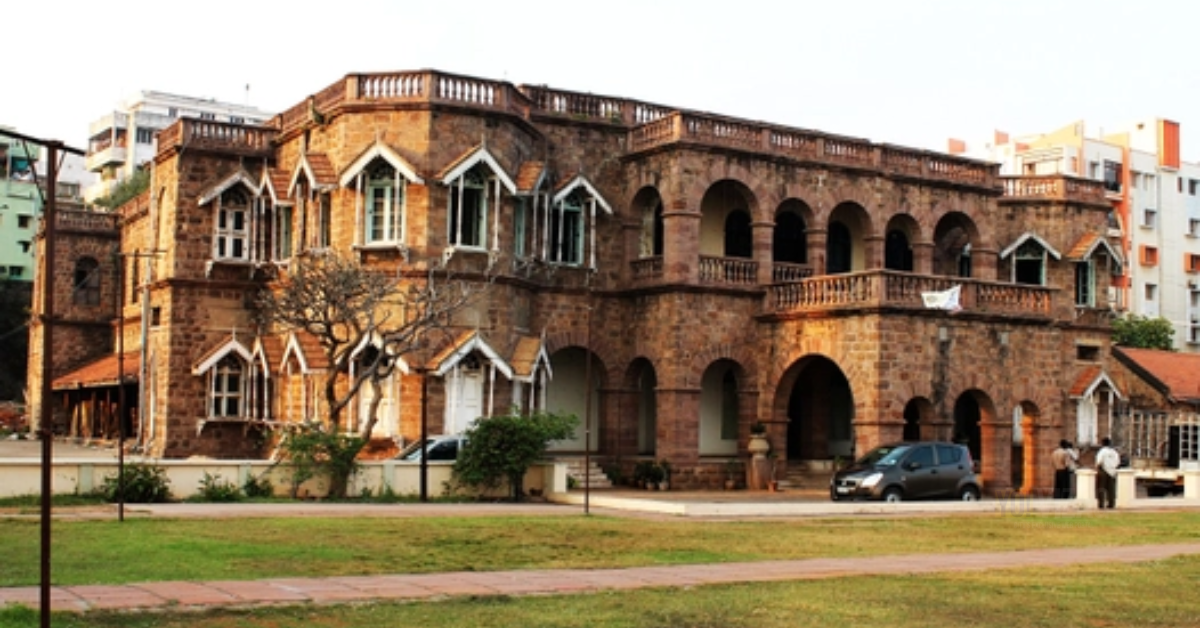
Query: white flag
x=944 y=300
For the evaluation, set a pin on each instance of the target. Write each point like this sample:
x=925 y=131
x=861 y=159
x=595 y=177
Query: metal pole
x=120 y=297
x=424 y=433
x=46 y=421
x=587 y=408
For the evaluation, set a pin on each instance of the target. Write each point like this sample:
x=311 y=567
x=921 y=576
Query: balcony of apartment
x=105 y=153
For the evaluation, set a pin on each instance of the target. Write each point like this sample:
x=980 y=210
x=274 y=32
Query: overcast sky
x=910 y=73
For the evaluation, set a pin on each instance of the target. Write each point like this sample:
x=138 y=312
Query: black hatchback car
x=919 y=470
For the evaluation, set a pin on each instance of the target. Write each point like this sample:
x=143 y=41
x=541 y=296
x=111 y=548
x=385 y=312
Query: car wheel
x=893 y=494
x=968 y=494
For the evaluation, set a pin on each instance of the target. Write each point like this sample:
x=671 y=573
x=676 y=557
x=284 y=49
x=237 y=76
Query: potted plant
x=664 y=481
x=773 y=482
x=733 y=470
x=655 y=476
x=642 y=472
x=759 y=445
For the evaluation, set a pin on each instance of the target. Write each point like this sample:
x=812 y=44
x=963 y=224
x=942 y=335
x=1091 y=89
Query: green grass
x=1153 y=594
x=110 y=552
x=29 y=503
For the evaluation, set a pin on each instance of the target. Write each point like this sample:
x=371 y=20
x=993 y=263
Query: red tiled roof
x=272 y=349
x=528 y=176
x=312 y=351
x=1085 y=381
x=470 y=152
x=276 y=181
x=1178 y=373
x=101 y=373
x=322 y=170
x=525 y=355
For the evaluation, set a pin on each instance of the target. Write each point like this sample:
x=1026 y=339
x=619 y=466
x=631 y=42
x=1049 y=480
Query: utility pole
x=46 y=414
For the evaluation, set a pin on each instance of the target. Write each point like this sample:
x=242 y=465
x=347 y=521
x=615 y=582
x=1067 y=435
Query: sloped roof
x=471 y=158
x=462 y=346
x=241 y=176
x=307 y=350
x=1176 y=375
x=219 y=351
x=1025 y=237
x=527 y=355
x=380 y=150
x=275 y=182
x=101 y=373
x=268 y=353
x=1089 y=379
x=317 y=170
x=1087 y=244
x=570 y=184
x=530 y=176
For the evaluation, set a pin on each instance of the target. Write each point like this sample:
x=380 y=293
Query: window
x=145 y=136
x=134 y=278
x=1191 y=186
x=1193 y=228
x=1087 y=353
x=226 y=388
x=566 y=231
x=1191 y=262
x=172 y=112
x=233 y=226
x=1029 y=264
x=1151 y=292
x=1194 y=334
x=24 y=221
x=16 y=271
x=208 y=116
x=1084 y=284
x=384 y=201
x=468 y=209
x=1149 y=218
x=1149 y=255
x=87 y=281
x=521 y=218
x=1093 y=170
x=324 y=221
x=282 y=244
x=1112 y=176
x=237 y=119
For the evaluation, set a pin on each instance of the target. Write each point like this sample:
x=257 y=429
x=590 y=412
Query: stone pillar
x=816 y=250
x=631 y=233
x=678 y=431
x=1085 y=487
x=1028 y=453
x=763 y=237
x=1191 y=484
x=681 y=244
x=1126 y=487
x=922 y=258
x=996 y=455
x=984 y=263
x=873 y=252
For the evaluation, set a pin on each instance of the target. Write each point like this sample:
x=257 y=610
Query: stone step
x=595 y=476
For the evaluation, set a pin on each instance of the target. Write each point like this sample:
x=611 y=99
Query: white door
x=466 y=403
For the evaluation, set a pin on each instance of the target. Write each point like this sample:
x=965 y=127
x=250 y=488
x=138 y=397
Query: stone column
x=873 y=252
x=816 y=250
x=1126 y=487
x=681 y=244
x=1191 y=484
x=763 y=236
x=631 y=233
x=1085 y=487
x=922 y=258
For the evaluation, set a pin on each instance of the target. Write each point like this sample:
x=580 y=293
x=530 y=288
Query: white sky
x=912 y=73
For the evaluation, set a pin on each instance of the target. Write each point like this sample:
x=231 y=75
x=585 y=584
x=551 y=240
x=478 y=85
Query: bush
x=215 y=489
x=258 y=487
x=315 y=453
x=504 y=447
x=144 y=484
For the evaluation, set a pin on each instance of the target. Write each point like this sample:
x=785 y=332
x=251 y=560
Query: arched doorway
x=897 y=251
x=966 y=426
x=738 y=239
x=816 y=399
x=790 y=240
x=568 y=392
x=975 y=425
x=838 y=249
x=719 y=409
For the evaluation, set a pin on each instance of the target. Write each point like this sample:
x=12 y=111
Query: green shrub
x=258 y=487
x=144 y=484
x=502 y=448
x=313 y=452
x=215 y=489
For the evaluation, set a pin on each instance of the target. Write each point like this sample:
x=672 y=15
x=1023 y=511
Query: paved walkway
x=231 y=593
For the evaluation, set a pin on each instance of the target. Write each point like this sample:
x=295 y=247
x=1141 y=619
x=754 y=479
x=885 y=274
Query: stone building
x=684 y=274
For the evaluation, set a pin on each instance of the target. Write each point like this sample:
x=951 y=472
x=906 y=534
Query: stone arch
x=815 y=402
x=920 y=421
x=721 y=200
x=724 y=410
x=901 y=233
x=648 y=209
x=847 y=232
x=953 y=238
x=976 y=424
x=739 y=354
x=571 y=392
x=641 y=381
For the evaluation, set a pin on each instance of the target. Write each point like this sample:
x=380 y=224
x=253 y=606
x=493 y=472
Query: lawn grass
x=138 y=550
x=1148 y=594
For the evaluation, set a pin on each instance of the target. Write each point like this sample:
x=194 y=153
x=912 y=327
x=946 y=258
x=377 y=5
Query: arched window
x=738 y=241
x=790 y=243
x=897 y=252
x=87 y=282
x=838 y=249
x=227 y=388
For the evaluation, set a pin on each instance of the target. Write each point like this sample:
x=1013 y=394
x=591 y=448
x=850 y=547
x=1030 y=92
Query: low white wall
x=71 y=476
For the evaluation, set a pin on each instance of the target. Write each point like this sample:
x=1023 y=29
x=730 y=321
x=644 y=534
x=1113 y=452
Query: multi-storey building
x=1155 y=209
x=121 y=141
x=672 y=277
x=20 y=206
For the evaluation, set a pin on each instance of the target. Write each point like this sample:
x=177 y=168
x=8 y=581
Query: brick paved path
x=176 y=595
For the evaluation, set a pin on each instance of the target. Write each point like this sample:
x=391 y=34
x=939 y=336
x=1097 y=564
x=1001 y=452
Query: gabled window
x=227 y=388
x=87 y=281
x=383 y=204
x=324 y=221
x=283 y=223
x=469 y=209
x=232 y=238
x=566 y=229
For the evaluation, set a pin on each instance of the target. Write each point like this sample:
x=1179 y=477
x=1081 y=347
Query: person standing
x=1107 y=461
x=1064 y=459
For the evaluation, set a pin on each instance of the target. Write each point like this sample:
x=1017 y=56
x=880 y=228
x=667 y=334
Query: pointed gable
x=239 y=177
x=275 y=184
x=1089 y=380
x=1087 y=245
x=528 y=356
x=530 y=177
x=317 y=170
x=230 y=345
x=380 y=150
x=1025 y=237
x=470 y=159
x=461 y=347
x=268 y=353
x=570 y=184
x=306 y=349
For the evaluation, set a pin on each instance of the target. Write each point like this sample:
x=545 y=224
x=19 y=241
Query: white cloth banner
x=944 y=300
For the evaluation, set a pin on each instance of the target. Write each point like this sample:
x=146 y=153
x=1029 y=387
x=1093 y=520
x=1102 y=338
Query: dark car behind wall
x=900 y=471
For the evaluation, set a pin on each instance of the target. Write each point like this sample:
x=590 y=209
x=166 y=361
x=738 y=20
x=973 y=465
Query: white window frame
x=573 y=207
x=386 y=226
x=283 y=225
x=228 y=236
x=227 y=384
x=475 y=180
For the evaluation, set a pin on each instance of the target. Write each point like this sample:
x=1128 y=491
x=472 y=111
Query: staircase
x=807 y=475
x=593 y=474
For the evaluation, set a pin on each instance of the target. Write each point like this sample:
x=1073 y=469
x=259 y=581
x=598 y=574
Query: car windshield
x=883 y=456
x=412 y=451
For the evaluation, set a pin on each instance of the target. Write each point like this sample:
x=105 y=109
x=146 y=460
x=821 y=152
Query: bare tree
x=364 y=314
